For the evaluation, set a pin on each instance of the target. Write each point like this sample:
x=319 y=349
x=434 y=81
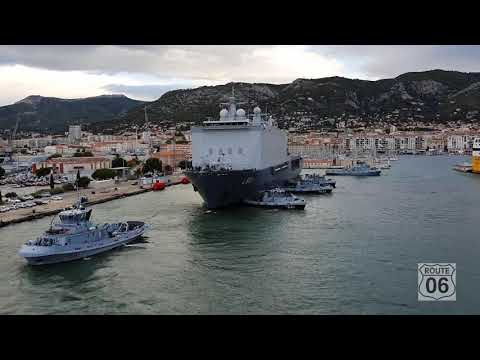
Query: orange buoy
x=185 y=180
x=159 y=185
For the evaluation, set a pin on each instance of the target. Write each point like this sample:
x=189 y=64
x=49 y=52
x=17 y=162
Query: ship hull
x=371 y=173
x=225 y=188
x=47 y=256
x=476 y=161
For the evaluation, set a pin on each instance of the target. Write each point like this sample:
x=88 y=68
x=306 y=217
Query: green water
x=352 y=252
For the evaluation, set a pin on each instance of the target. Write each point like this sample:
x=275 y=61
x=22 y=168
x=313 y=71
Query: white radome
x=224 y=113
x=240 y=113
x=257 y=110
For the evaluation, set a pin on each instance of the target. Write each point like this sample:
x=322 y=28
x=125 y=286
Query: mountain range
x=38 y=113
x=429 y=96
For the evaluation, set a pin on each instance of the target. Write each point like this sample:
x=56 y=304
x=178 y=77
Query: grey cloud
x=143 y=92
x=236 y=62
x=386 y=61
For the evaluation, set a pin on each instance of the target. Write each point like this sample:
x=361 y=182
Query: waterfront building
x=460 y=143
x=70 y=166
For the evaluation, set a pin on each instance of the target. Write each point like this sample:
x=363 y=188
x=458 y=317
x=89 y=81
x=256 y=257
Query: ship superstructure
x=76 y=237
x=239 y=154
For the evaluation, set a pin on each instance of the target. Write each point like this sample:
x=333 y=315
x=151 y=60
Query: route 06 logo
x=437 y=282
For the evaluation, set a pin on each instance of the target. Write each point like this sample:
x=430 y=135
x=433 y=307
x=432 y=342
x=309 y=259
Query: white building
x=74 y=134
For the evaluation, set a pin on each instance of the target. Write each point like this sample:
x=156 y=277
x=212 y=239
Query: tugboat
x=360 y=169
x=76 y=237
x=276 y=199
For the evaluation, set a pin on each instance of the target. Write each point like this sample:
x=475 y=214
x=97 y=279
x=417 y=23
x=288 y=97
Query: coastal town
x=85 y=152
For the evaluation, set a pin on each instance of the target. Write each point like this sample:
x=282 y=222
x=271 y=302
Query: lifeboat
x=185 y=180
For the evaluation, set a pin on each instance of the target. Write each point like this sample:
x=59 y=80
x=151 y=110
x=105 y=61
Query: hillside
x=435 y=95
x=53 y=114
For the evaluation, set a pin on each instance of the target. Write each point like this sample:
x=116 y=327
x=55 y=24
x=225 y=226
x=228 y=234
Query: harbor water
x=354 y=251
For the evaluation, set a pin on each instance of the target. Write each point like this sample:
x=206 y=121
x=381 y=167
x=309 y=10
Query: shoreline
x=53 y=208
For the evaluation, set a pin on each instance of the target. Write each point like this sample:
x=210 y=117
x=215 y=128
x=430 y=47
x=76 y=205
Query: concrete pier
x=101 y=195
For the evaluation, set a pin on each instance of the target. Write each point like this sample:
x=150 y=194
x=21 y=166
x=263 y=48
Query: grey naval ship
x=76 y=237
x=238 y=155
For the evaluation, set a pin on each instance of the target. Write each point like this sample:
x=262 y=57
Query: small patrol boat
x=360 y=169
x=319 y=179
x=311 y=184
x=76 y=237
x=277 y=199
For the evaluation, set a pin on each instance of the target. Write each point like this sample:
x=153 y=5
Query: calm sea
x=352 y=252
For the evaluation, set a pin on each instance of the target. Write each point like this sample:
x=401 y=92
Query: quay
x=95 y=196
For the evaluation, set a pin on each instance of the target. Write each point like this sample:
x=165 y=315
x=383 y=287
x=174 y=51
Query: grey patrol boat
x=276 y=199
x=238 y=155
x=76 y=237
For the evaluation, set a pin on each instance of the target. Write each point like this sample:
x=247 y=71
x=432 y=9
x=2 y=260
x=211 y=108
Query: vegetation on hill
x=53 y=114
x=430 y=95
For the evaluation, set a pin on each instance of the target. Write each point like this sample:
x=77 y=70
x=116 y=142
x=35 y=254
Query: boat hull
x=371 y=173
x=276 y=206
x=230 y=187
x=301 y=191
x=47 y=255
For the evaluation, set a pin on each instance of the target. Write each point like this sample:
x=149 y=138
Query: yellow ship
x=476 y=156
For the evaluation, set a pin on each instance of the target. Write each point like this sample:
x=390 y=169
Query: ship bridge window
x=229 y=151
x=210 y=151
x=240 y=150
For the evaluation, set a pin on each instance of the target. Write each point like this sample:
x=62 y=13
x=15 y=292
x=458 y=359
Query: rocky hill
x=435 y=95
x=40 y=113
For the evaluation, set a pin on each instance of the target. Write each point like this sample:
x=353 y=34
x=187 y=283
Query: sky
x=146 y=72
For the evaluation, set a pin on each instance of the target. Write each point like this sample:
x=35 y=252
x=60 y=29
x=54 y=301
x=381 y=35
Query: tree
x=184 y=164
x=43 y=172
x=132 y=163
x=2 y=172
x=83 y=182
x=83 y=154
x=78 y=177
x=52 y=183
x=68 y=187
x=119 y=162
x=104 y=174
x=151 y=165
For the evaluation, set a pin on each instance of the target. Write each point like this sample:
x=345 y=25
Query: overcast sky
x=146 y=72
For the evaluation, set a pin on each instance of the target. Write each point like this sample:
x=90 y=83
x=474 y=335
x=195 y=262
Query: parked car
x=57 y=198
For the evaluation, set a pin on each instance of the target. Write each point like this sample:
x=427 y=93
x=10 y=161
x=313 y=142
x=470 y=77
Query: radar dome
x=224 y=113
x=257 y=110
x=240 y=113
